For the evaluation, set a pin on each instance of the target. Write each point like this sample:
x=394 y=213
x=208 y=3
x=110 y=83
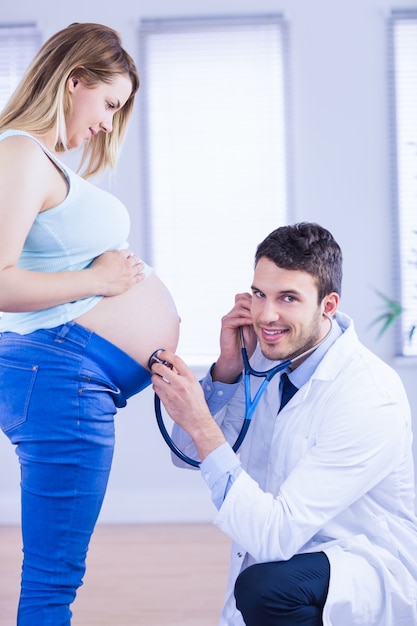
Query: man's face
x=286 y=316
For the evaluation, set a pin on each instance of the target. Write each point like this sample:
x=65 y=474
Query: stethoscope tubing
x=160 y=421
x=250 y=406
x=250 y=402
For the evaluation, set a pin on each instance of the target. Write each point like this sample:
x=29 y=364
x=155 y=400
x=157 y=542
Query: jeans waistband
x=124 y=372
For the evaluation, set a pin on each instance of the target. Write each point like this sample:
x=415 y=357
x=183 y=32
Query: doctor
x=320 y=500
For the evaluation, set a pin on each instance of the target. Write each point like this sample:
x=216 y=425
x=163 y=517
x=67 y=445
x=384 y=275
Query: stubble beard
x=309 y=338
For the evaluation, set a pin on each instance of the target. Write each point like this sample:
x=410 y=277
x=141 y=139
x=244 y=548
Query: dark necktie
x=287 y=390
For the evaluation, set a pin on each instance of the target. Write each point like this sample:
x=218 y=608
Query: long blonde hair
x=91 y=52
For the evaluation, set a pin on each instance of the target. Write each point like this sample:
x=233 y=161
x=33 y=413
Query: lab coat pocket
x=382 y=533
x=297 y=450
x=16 y=384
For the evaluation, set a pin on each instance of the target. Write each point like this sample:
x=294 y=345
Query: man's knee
x=249 y=592
x=296 y=589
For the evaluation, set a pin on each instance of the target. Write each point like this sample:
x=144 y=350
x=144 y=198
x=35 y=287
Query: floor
x=139 y=575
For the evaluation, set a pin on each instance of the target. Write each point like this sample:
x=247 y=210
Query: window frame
x=401 y=288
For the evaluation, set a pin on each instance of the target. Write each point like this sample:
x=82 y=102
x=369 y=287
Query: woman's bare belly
x=139 y=321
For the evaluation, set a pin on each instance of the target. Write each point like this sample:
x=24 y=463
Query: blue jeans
x=59 y=391
x=284 y=593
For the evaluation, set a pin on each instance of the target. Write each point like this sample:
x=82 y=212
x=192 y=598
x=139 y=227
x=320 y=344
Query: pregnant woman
x=81 y=312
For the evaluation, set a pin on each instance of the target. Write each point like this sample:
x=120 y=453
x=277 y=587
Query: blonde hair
x=91 y=52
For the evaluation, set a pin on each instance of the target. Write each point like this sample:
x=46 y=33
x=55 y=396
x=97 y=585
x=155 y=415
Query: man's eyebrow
x=287 y=292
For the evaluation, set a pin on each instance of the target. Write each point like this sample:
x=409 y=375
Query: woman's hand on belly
x=116 y=271
x=138 y=321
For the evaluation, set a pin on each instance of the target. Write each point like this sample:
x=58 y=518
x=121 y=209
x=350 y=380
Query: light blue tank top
x=68 y=237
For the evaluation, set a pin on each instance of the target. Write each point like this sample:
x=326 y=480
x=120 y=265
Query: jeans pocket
x=16 y=386
x=91 y=383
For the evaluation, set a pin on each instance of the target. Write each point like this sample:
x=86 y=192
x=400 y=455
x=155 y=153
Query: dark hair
x=307 y=247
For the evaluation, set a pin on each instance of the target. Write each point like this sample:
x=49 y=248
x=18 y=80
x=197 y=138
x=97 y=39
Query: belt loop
x=63 y=332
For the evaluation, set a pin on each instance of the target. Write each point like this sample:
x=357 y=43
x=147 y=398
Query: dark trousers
x=284 y=593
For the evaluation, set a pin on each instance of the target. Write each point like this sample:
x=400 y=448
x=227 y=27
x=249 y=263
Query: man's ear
x=330 y=303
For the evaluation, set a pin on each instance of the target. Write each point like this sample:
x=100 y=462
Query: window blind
x=18 y=46
x=213 y=110
x=403 y=101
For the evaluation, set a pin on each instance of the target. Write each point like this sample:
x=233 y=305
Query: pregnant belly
x=139 y=321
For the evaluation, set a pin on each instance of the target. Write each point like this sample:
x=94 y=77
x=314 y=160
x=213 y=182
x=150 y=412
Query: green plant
x=391 y=311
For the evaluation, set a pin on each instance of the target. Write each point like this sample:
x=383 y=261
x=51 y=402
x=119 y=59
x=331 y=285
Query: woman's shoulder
x=20 y=144
x=29 y=170
x=23 y=147
x=17 y=137
x=18 y=149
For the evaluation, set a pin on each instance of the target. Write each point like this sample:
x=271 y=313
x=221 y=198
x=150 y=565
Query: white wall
x=341 y=179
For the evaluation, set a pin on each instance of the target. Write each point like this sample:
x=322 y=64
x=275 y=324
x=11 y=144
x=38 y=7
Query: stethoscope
x=250 y=402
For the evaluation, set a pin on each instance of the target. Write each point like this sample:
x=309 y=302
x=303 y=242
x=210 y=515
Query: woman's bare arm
x=30 y=183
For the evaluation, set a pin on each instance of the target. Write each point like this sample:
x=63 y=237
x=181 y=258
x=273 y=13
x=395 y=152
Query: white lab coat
x=333 y=472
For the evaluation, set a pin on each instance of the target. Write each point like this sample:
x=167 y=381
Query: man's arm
x=358 y=442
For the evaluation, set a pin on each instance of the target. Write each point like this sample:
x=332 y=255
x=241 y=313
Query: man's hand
x=230 y=364
x=183 y=398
